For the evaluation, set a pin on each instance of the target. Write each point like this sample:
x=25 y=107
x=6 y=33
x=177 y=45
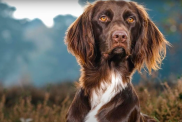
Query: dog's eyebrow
x=128 y=13
x=107 y=12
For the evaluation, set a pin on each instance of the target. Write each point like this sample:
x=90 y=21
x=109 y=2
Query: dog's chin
x=118 y=51
x=117 y=54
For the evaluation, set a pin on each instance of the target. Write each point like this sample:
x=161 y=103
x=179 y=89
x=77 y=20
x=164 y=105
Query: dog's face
x=109 y=29
x=115 y=27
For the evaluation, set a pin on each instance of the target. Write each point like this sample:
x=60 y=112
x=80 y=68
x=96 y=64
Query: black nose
x=119 y=36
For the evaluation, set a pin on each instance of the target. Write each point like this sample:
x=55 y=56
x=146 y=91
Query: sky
x=45 y=10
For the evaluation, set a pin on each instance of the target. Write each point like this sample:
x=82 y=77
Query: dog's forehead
x=118 y=6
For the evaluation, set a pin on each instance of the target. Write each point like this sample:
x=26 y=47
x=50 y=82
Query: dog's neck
x=94 y=77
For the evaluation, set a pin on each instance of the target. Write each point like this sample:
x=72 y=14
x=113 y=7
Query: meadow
x=161 y=100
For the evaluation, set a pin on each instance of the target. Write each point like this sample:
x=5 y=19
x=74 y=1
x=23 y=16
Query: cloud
x=46 y=10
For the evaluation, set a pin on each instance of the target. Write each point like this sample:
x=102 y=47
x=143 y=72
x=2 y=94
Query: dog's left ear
x=79 y=38
x=150 y=48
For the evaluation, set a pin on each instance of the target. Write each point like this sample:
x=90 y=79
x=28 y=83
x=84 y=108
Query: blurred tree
x=172 y=25
x=50 y=61
x=13 y=46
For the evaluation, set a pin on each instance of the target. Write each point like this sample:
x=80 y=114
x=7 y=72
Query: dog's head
x=115 y=31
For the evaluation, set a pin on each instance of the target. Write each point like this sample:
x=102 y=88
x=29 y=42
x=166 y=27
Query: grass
x=163 y=101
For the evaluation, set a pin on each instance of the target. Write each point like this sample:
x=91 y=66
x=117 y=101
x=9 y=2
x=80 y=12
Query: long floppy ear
x=79 y=38
x=150 y=48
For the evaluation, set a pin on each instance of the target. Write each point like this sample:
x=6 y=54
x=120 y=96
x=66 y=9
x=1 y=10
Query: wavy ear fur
x=79 y=38
x=150 y=48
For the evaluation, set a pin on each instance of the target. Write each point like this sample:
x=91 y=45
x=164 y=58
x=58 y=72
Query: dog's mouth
x=118 y=53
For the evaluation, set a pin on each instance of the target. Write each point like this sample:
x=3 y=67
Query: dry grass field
x=49 y=104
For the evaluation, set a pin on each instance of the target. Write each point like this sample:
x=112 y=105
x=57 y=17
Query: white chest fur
x=104 y=95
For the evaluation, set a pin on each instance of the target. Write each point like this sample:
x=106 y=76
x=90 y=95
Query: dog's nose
x=119 y=36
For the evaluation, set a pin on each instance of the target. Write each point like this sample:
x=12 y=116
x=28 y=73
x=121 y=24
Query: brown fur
x=90 y=42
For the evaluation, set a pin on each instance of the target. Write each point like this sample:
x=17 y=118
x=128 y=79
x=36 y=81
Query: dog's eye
x=130 y=20
x=103 y=18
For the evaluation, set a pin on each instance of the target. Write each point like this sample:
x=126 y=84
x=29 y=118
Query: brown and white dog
x=111 y=40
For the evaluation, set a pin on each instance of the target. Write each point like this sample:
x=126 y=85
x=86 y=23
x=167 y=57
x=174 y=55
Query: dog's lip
x=107 y=54
x=118 y=50
x=114 y=47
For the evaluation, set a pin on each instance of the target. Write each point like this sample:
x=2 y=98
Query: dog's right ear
x=150 y=48
x=79 y=38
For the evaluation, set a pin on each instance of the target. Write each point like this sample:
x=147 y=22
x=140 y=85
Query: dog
x=111 y=40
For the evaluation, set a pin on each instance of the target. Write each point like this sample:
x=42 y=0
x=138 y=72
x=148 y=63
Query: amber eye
x=130 y=20
x=103 y=19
